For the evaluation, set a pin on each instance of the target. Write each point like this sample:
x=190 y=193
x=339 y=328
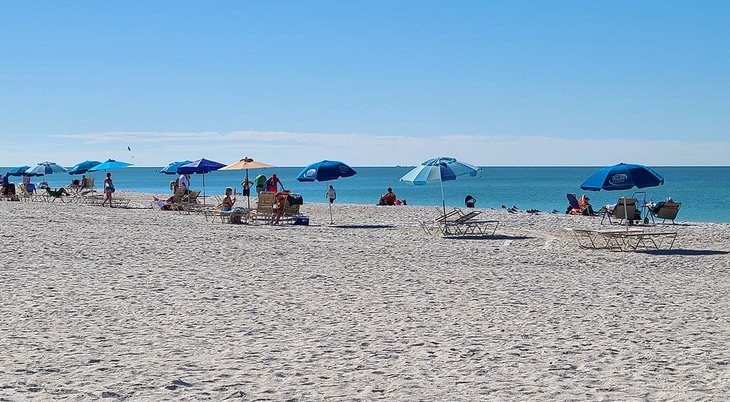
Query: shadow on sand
x=679 y=251
x=361 y=226
x=495 y=237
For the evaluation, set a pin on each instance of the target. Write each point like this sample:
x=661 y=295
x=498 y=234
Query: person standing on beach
x=184 y=183
x=331 y=194
x=272 y=184
x=108 y=190
x=246 y=184
x=259 y=180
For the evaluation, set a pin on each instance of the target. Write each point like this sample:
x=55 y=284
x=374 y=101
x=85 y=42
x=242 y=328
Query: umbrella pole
x=203 y=188
x=443 y=201
x=625 y=215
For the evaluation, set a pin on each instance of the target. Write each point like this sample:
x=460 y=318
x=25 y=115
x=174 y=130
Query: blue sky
x=370 y=83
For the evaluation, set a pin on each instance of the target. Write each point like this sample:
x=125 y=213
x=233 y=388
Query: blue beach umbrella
x=200 y=166
x=19 y=171
x=45 y=168
x=109 y=164
x=83 y=167
x=173 y=166
x=439 y=170
x=623 y=176
x=325 y=171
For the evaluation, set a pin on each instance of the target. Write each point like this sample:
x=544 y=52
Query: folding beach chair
x=56 y=194
x=668 y=210
x=621 y=211
x=573 y=205
x=264 y=207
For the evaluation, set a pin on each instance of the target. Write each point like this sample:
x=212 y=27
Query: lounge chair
x=633 y=239
x=88 y=186
x=264 y=207
x=189 y=203
x=668 y=210
x=56 y=194
x=573 y=205
x=621 y=211
x=290 y=214
x=457 y=223
x=23 y=194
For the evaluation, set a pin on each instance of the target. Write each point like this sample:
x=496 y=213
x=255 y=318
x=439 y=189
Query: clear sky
x=366 y=82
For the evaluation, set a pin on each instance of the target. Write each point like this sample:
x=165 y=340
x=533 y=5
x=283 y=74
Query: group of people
x=584 y=207
x=389 y=198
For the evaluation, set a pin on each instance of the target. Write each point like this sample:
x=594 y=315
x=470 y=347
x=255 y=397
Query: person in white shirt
x=331 y=194
x=184 y=182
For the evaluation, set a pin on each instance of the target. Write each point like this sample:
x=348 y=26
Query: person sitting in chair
x=388 y=198
x=585 y=206
x=227 y=203
x=281 y=201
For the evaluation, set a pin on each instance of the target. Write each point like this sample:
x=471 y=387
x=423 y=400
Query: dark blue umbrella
x=325 y=171
x=19 y=171
x=173 y=166
x=83 y=167
x=201 y=166
x=623 y=176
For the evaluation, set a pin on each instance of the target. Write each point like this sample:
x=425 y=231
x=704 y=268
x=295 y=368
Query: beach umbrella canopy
x=325 y=171
x=201 y=166
x=173 y=166
x=623 y=176
x=19 y=171
x=83 y=167
x=45 y=168
x=439 y=170
x=245 y=164
x=109 y=164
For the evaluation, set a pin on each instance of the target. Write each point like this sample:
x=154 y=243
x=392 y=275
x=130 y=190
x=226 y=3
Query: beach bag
x=302 y=220
x=295 y=199
x=110 y=188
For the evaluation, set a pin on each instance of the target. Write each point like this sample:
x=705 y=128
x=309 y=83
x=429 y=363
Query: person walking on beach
x=331 y=194
x=108 y=190
x=259 y=180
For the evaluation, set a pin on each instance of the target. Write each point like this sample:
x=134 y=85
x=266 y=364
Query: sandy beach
x=142 y=304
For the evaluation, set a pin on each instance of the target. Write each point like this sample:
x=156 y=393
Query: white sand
x=150 y=305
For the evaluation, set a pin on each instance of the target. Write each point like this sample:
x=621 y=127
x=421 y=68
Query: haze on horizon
x=378 y=83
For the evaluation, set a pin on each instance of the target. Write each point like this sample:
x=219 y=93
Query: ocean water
x=703 y=191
